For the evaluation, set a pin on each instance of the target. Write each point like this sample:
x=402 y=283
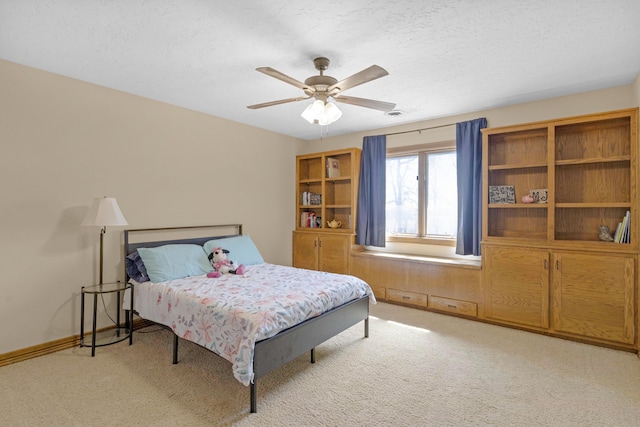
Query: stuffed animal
x=222 y=265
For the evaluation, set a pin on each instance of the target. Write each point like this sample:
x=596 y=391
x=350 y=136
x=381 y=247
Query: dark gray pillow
x=135 y=268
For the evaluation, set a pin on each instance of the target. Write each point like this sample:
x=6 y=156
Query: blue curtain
x=469 y=173
x=370 y=224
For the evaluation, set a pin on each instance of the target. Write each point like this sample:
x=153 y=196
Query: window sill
x=454 y=262
x=422 y=240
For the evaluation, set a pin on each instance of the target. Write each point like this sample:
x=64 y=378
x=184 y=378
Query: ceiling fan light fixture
x=321 y=113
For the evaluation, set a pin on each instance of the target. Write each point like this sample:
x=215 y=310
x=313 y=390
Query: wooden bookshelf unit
x=545 y=266
x=323 y=196
x=588 y=166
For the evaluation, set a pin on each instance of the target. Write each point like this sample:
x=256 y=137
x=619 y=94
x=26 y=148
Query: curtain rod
x=419 y=130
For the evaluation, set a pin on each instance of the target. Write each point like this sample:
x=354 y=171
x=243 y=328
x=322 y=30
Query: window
x=422 y=194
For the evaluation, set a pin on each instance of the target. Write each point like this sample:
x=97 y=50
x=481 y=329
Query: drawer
x=406 y=297
x=453 y=306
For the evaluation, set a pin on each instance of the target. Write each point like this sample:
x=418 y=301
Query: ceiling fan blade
x=281 y=76
x=363 y=102
x=364 y=76
x=282 y=101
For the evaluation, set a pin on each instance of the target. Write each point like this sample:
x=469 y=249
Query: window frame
x=422 y=151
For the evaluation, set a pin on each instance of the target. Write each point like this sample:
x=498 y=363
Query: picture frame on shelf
x=540 y=195
x=502 y=194
x=333 y=167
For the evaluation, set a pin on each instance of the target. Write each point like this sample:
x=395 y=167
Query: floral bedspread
x=228 y=315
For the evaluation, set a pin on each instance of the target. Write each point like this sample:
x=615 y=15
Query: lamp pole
x=102 y=231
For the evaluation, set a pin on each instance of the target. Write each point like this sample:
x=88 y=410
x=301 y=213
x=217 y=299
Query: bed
x=258 y=321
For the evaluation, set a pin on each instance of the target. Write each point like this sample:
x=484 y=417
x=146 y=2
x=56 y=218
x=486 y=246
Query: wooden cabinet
x=588 y=166
x=326 y=190
x=517 y=285
x=322 y=251
x=593 y=295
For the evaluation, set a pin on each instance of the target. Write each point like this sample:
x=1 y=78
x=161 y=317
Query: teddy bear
x=222 y=265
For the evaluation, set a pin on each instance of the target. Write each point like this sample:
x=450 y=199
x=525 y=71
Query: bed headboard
x=154 y=237
x=197 y=235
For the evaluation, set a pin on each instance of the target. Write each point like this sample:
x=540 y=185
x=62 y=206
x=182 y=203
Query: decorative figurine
x=605 y=234
x=528 y=199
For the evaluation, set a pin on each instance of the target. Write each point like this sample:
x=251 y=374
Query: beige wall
x=64 y=142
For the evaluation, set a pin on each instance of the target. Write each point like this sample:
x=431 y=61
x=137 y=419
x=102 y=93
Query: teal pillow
x=241 y=249
x=170 y=262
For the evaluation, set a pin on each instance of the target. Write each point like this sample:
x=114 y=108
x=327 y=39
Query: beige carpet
x=416 y=369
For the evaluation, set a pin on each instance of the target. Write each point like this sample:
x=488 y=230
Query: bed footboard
x=276 y=351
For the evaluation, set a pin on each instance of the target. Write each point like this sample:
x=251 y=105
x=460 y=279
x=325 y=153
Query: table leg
x=118 y=325
x=93 y=336
x=131 y=316
x=82 y=317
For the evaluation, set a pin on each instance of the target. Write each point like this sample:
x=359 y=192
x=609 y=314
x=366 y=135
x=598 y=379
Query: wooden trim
x=429 y=240
x=39 y=350
x=562 y=121
x=415 y=149
x=55 y=346
x=454 y=262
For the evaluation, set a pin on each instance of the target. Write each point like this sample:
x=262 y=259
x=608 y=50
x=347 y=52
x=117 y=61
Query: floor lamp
x=104 y=212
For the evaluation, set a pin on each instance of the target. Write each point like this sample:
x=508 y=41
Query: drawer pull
x=405 y=297
x=452 y=306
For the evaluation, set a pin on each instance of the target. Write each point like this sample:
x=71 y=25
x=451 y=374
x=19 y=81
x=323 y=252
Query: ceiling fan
x=323 y=88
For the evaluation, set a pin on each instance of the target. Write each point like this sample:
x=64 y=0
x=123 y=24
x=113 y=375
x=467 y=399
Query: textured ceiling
x=444 y=57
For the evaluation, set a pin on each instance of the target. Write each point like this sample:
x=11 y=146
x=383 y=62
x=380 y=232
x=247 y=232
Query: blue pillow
x=170 y=262
x=135 y=268
x=241 y=249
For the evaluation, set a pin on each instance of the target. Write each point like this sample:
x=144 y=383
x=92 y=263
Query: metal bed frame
x=274 y=352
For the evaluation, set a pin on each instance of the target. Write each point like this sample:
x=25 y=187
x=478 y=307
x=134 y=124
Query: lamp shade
x=321 y=113
x=331 y=114
x=313 y=111
x=104 y=212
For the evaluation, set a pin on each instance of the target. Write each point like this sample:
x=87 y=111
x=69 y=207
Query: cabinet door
x=305 y=250
x=334 y=253
x=517 y=285
x=593 y=295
